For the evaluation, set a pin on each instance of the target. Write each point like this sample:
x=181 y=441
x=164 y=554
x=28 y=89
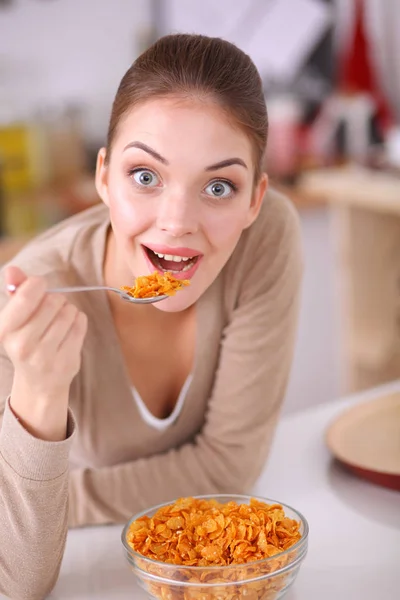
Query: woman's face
x=179 y=187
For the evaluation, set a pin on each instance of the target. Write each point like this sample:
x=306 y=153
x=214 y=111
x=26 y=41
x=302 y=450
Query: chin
x=177 y=303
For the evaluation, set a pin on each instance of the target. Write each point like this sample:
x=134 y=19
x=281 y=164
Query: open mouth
x=169 y=262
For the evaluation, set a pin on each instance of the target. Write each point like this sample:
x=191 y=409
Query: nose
x=178 y=215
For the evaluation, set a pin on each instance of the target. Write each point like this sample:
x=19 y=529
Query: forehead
x=179 y=128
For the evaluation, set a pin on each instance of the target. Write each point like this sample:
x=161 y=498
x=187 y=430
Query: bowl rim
x=302 y=541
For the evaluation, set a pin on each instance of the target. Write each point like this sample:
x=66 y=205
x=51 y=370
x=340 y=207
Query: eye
x=220 y=189
x=145 y=178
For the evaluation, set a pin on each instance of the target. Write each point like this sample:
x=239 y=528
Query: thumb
x=13 y=277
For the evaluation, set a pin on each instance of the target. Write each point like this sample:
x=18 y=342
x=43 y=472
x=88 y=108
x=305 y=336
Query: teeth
x=173 y=258
x=185 y=268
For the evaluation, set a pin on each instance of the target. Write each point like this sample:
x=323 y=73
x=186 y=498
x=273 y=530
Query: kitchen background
x=332 y=82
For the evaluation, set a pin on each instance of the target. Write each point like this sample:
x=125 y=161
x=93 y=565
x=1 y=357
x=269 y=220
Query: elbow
x=234 y=485
x=229 y=472
x=232 y=480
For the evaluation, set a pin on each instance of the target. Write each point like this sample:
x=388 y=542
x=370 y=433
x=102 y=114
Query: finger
x=59 y=327
x=29 y=336
x=14 y=277
x=75 y=336
x=23 y=305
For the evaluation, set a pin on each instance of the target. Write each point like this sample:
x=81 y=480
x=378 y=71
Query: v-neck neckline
x=202 y=312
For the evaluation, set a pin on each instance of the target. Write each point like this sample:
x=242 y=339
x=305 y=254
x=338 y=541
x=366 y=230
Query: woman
x=108 y=408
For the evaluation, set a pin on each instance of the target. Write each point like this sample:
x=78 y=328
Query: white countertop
x=354 y=544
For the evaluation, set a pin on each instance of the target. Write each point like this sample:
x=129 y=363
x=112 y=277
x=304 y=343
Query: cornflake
x=205 y=533
x=156 y=284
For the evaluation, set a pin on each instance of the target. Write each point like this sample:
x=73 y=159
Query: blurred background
x=331 y=72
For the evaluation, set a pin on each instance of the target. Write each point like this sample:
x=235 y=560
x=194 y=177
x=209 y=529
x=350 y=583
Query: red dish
x=366 y=439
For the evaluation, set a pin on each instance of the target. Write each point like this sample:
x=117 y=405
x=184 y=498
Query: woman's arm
x=33 y=505
x=230 y=451
x=41 y=337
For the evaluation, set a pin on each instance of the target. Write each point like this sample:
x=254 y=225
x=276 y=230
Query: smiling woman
x=176 y=182
x=173 y=399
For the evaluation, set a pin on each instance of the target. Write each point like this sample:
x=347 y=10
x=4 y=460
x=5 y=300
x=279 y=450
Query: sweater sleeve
x=33 y=501
x=255 y=359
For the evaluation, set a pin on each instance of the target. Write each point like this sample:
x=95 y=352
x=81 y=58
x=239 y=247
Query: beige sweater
x=113 y=464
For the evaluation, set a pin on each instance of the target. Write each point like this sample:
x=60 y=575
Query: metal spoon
x=95 y=288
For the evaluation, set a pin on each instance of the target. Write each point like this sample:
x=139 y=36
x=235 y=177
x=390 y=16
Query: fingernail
x=11 y=287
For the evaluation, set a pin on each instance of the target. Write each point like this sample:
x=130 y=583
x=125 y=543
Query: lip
x=175 y=251
x=178 y=275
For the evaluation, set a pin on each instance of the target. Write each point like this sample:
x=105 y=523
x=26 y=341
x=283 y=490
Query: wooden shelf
x=365 y=207
x=353 y=186
x=300 y=198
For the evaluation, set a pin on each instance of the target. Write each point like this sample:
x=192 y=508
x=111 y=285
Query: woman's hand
x=43 y=336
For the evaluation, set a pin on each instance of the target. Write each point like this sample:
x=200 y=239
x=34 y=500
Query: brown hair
x=187 y=65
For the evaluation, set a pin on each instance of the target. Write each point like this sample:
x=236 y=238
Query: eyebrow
x=149 y=150
x=219 y=165
x=226 y=163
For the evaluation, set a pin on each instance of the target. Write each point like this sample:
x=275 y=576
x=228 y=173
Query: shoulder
x=277 y=226
x=269 y=252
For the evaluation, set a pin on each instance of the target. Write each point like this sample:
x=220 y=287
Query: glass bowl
x=265 y=579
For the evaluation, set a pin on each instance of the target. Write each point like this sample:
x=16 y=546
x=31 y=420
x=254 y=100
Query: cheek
x=129 y=216
x=224 y=230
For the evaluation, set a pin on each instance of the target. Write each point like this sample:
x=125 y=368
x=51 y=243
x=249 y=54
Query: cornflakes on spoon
x=156 y=284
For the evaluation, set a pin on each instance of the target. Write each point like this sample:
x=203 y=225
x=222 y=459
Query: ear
x=101 y=178
x=256 y=202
